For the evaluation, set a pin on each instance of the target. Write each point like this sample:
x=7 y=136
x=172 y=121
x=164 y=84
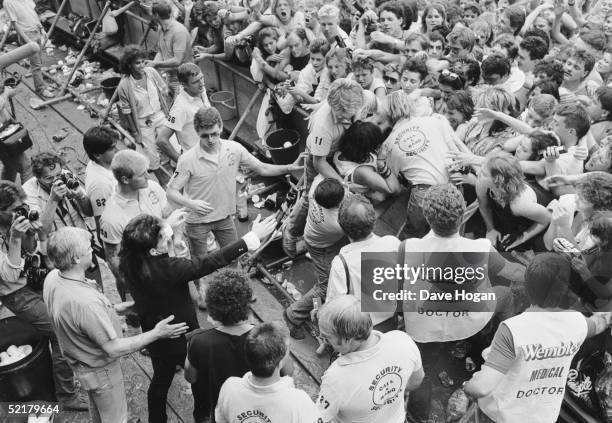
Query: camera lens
x=33 y=215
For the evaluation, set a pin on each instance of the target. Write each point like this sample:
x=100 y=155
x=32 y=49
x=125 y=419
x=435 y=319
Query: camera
x=24 y=210
x=68 y=178
x=35 y=272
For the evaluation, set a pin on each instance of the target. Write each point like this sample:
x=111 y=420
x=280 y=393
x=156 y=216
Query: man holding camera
x=58 y=196
x=19 y=234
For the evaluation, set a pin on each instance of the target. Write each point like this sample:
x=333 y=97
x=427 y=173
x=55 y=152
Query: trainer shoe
x=78 y=402
x=295 y=331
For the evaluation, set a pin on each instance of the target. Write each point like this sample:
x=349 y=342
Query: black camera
x=24 y=210
x=68 y=178
x=35 y=271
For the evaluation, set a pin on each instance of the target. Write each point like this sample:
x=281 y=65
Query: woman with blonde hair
x=509 y=206
x=480 y=137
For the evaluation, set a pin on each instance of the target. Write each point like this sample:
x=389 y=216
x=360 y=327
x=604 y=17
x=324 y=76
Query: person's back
x=366 y=384
x=417 y=148
x=322 y=229
x=262 y=394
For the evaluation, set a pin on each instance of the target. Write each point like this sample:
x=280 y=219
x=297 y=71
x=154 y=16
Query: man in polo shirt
x=207 y=176
x=135 y=195
x=87 y=326
x=189 y=100
x=174 y=44
x=100 y=144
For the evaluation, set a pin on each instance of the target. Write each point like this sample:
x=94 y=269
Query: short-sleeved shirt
x=11 y=277
x=174 y=39
x=100 y=183
x=120 y=210
x=180 y=117
x=418 y=147
x=323 y=132
x=24 y=13
x=368 y=386
x=212 y=178
x=83 y=319
x=322 y=229
x=241 y=400
x=66 y=213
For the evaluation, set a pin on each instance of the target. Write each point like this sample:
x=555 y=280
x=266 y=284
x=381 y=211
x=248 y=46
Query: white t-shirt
x=352 y=255
x=120 y=210
x=24 y=13
x=322 y=229
x=241 y=401
x=100 y=183
x=418 y=148
x=180 y=117
x=368 y=386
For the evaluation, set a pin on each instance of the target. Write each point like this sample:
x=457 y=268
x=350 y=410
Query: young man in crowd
x=100 y=144
x=190 y=98
x=22 y=14
x=324 y=238
x=135 y=195
x=262 y=393
x=174 y=45
x=206 y=175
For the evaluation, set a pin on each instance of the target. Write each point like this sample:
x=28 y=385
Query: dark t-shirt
x=216 y=356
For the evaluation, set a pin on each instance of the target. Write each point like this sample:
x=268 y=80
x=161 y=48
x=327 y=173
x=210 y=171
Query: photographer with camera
x=60 y=198
x=18 y=232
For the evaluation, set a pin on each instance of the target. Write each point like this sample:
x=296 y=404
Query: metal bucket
x=224 y=102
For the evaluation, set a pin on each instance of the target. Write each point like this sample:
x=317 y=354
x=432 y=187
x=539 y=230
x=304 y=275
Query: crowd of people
x=492 y=117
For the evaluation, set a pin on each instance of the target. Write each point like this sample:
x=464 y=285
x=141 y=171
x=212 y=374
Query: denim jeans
x=36 y=60
x=296 y=222
x=416 y=224
x=28 y=306
x=197 y=233
x=299 y=311
x=106 y=392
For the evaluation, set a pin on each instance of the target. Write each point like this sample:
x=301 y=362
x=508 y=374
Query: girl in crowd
x=513 y=214
x=356 y=161
x=600 y=112
x=210 y=38
x=143 y=105
x=266 y=58
x=601 y=157
x=604 y=66
x=434 y=15
x=159 y=282
x=483 y=137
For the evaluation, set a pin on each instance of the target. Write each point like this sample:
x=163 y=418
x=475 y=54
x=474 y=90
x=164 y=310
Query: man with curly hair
x=213 y=355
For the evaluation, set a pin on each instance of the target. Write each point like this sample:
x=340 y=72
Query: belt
x=405 y=182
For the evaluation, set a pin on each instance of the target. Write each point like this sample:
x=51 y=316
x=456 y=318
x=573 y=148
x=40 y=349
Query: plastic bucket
x=31 y=378
x=223 y=101
x=276 y=141
x=109 y=85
